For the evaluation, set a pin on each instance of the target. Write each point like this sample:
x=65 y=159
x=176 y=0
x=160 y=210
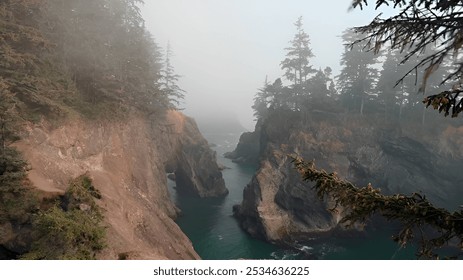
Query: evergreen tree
x=105 y=49
x=319 y=85
x=331 y=86
x=169 y=79
x=416 y=27
x=399 y=89
x=437 y=82
x=387 y=88
x=319 y=93
x=17 y=203
x=261 y=101
x=21 y=48
x=296 y=64
x=358 y=76
x=279 y=96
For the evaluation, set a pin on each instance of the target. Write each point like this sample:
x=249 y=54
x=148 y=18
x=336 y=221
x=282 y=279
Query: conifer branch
x=436 y=227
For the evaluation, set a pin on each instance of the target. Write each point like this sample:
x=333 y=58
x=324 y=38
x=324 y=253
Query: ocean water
x=216 y=235
x=209 y=223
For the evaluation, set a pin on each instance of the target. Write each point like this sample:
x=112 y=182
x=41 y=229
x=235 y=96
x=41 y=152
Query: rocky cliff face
x=248 y=149
x=278 y=207
x=128 y=161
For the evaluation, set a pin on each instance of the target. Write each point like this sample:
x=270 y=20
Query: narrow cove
x=216 y=235
x=209 y=222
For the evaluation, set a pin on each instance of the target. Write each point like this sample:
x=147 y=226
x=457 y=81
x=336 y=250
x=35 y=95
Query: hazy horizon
x=225 y=49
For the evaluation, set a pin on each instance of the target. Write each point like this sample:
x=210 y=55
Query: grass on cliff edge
x=71 y=228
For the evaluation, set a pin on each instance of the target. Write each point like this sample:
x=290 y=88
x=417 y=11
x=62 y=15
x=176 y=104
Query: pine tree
x=261 y=101
x=319 y=84
x=417 y=26
x=358 y=76
x=398 y=88
x=387 y=89
x=169 y=79
x=104 y=48
x=279 y=97
x=437 y=82
x=16 y=201
x=296 y=64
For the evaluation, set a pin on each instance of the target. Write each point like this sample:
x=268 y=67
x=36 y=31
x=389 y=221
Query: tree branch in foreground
x=435 y=227
x=417 y=27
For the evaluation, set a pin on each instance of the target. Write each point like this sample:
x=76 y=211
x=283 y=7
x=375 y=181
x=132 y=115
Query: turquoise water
x=209 y=222
x=215 y=234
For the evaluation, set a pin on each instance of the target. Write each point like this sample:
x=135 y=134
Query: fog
x=224 y=49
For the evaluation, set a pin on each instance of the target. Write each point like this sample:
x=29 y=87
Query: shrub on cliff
x=71 y=228
x=17 y=201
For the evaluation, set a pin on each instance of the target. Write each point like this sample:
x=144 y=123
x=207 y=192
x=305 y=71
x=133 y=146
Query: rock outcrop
x=128 y=161
x=248 y=149
x=277 y=206
x=191 y=158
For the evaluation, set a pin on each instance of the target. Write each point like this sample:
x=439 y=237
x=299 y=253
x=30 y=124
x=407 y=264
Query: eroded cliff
x=279 y=207
x=128 y=161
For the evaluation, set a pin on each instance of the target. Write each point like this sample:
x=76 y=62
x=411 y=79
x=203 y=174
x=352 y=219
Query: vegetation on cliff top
x=60 y=58
x=17 y=201
x=92 y=57
x=381 y=86
x=419 y=25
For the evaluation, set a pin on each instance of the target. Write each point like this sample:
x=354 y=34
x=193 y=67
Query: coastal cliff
x=127 y=161
x=92 y=104
x=278 y=207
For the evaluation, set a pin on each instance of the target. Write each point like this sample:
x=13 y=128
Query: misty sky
x=225 y=48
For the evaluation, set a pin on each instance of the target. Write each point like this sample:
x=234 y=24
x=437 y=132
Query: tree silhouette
x=169 y=79
x=261 y=101
x=296 y=64
x=421 y=24
x=358 y=76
